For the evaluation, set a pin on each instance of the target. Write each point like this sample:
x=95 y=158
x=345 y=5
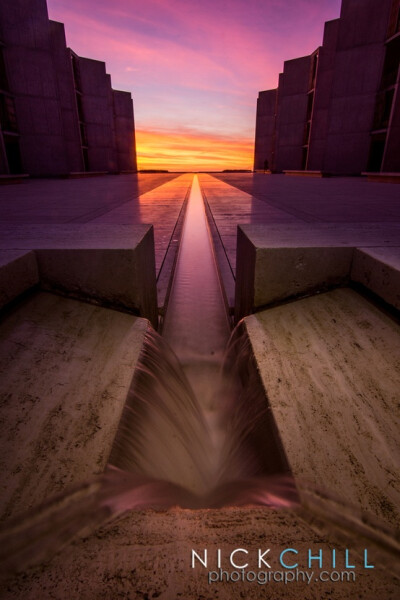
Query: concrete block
x=6 y=179
x=265 y=275
x=18 y=273
x=378 y=269
x=305 y=173
x=337 y=417
x=109 y=264
x=382 y=177
x=277 y=263
x=65 y=371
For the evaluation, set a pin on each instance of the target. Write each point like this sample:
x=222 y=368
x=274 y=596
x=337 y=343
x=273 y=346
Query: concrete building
x=58 y=112
x=265 y=128
x=293 y=113
x=338 y=110
x=319 y=126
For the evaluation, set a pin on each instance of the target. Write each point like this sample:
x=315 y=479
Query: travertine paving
x=122 y=199
x=241 y=198
x=334 y=199
x=148 y=555
x=65 y=371
x=73 y=200
x=331 y=371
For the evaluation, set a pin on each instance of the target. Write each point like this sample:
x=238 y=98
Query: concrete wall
x=391 y=160
x=98 y=112
x=265 y=128
x=124 y=131
x=292 y=114
x=275 y=136
x=357 y=74
x=323 y=88
x=32 y=79
x=69 y=114
x=3 y=158
x=390 y=84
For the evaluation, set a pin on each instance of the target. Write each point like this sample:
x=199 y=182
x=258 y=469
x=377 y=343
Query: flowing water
x=190 y=419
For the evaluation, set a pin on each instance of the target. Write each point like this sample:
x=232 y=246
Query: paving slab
x=157 y=199
x=279 y=262
x=65 y=371
x=277 y=200
x=79 y=200
x=338 y=417
x=108 y=264
x=160 y=207
x=331 y=199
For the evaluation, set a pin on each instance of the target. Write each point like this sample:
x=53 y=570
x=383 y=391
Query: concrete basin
x=65 y=371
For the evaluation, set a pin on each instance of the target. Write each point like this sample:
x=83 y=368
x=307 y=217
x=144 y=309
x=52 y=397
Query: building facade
x=338 y=110
x=58 y=111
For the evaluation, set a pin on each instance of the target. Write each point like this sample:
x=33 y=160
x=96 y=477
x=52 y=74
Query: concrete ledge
x=329 y=366
x=8 y=179
x=378 y=269
x=112 y=265
x=278 y=263
x=303 y=173
x=383 y=177
x=225 y=273
x=165 y=275
x=65 y=372
x=80 y=174
x=152 y=171
x=18 y=273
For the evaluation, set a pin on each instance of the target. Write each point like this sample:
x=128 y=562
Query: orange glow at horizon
x=191 y=151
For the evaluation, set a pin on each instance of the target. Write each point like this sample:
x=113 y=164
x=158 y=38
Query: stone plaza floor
x=243 y=198
x=327 y=363
x=234 y=198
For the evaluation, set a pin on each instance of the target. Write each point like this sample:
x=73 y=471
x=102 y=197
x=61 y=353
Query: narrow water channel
x=190 y=419
x=196 y=326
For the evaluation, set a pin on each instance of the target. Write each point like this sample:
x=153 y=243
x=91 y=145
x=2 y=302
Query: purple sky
x=194 y=67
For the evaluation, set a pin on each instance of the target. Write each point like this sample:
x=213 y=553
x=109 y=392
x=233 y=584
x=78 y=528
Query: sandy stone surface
x=330 y=365
x=147 y=555
x=65 y=371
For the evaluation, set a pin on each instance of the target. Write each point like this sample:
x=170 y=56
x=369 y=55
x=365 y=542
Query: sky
x=194 y=67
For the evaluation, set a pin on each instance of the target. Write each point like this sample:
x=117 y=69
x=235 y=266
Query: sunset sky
x=194 y=67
